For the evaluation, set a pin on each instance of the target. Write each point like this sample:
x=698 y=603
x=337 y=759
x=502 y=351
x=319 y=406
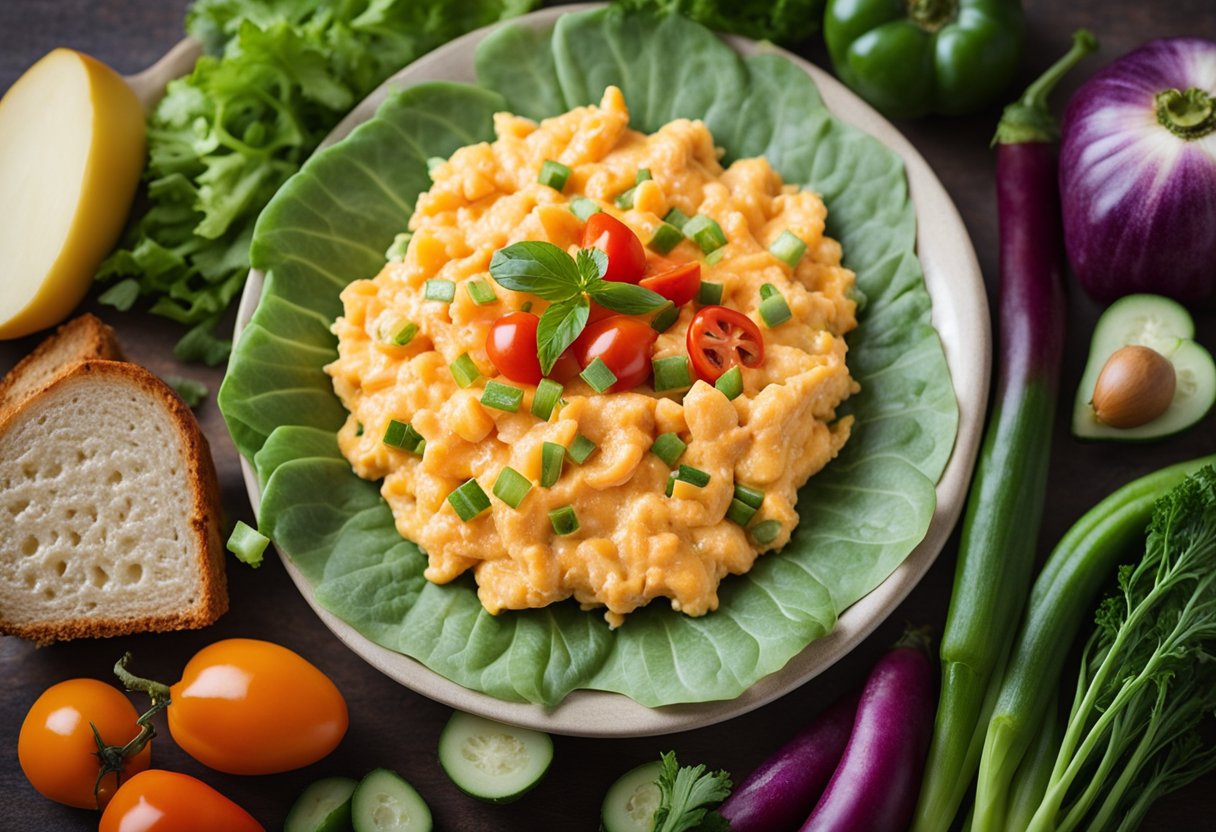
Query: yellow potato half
x=71 y=152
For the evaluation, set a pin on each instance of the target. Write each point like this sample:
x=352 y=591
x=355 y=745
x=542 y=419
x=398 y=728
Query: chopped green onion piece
x=676 y=217
x=668 y=447
x=671 y=484
x=598 y=375
x=643 y=175
x=788 y=248
x=554 y=174
x=400 y=244
x=666 y=237
x=625 y=199
x=583 y=208
x=247 y=543
x=706 y=232
x=774 y=310
x=441 y=290
x=671 y=373
x=527 y=307
x=767 y=291
x=766 y=532
x=581 y=448
x=469 y=500
x=552 y=456
x=564 y=520
x=358 y=429
x=481 y=292
x=731 y=383
x=548 y=394
x=405 y=334
x=753 y=497
x=402 y=435
x=511 y=487
x=740 y=512
x=692 y=476
x=710 y=293
x=433 y=163
x=502 y=396
x=667 y=316
x=464 y=370
x=715 y=257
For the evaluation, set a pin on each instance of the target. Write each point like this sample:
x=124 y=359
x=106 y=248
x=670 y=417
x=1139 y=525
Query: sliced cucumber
x=1167 y=327
x=630 y=802
x=384 y=802
x=490 y=760
x=322 y=807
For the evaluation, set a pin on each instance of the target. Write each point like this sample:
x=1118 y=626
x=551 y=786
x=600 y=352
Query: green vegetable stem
x=917 y=57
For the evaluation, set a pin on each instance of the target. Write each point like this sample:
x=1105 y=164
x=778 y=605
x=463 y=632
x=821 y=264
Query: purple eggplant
x=1138 y=174
x=783 y=789
x=874 y=787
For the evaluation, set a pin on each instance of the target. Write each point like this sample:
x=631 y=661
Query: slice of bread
x=109 y=509
x=77 y=340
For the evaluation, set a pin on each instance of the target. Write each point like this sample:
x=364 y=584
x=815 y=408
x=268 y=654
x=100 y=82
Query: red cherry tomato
x=719 y=338
x=166 y=801
x=679 y=285
x=245 y=706
x=511 y=345
x=626 y=257
x=598 y=313
x=623 y=343
x=56 y=747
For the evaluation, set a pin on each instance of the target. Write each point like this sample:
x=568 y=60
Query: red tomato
x=166 y=801
x=598 y=313
x=56 y=747
x=511 y=345
x=719 y=338
x=245 y=706
x=679 y=285
x=623 y=343
x=626 y=257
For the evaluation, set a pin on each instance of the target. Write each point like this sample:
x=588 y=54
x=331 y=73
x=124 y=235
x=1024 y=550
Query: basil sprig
x=569 y=283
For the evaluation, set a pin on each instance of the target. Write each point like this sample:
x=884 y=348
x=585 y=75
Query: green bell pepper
x=913 y=57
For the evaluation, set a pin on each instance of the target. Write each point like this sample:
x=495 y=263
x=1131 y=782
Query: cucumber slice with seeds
x=630 y=803
x=384 y=802
x=492 y=761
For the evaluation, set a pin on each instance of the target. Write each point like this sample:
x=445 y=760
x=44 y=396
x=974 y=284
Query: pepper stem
x=1189 y=115
x=1029 y=119
x=112 y=757
x=932 y=15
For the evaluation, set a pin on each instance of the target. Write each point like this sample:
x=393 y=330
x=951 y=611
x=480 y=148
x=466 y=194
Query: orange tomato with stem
x=167 y=801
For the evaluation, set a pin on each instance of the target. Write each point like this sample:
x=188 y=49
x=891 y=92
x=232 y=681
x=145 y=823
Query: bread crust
x=82 y=338
x=205 y=512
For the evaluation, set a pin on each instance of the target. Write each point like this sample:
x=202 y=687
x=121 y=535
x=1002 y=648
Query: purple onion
x=1138 y=174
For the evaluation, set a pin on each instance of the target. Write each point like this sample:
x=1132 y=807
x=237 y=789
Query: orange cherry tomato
x=626 y=257
x=511 y=346
x=679 y=284
x=245 y=706
x=623 y=343
x=720 y=338
x=56 y=747
x=166 y=801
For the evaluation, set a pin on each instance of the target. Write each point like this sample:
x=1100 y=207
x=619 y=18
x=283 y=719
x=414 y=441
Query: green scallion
x=710 y=293
x=405 y=334
x=580 y=449
x=668 y=447
x=715 y=257
x=706 y=232
x=402 y=435
x=740 y=512
x=731 y=383
x=624 y=200
x=440 y=290
x=511 y=487
x=671 y=484
x=247 y=543
x=464 y=370
x=502 y=396
x=774 y=310
x=552 y=457
x=433 y=163
x=563 y=520
x=358 y=429
x=482 y=293
x=554 y=174
x=766 y=532
x=643 y=175
x=582 y=207
x=671 y=373
x=598 y=376
x=548 y=394
x=666 y=237
x=676 y=217
x=692 y=476
x=788 y=248
x=397 y=250
x=666 y=316
x=767 y=291
x=469 y=500
x=527 y=306
x=753 y=497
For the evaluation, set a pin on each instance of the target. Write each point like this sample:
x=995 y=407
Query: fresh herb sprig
x=569 y=284
x=686 y=797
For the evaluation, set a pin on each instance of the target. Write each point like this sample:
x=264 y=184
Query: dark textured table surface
x=393 y=727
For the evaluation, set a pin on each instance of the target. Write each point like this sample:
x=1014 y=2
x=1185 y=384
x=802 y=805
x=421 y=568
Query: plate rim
x=955 y=285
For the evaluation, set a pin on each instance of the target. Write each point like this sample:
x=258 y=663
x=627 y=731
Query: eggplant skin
x=1138 y=201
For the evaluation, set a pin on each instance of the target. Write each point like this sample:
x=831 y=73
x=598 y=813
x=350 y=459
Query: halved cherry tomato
x=626 y=257
x=719 y=338
x=511 y=345
x=56 y=747
x=166 y=801
x=623 y=343
x=679 y=285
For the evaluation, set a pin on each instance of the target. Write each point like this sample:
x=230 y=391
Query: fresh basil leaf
x=625 y=298
x=558 y=327
x=592 y=264
x=540 y=268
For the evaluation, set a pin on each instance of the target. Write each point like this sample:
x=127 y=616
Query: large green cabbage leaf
x=330 y=224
